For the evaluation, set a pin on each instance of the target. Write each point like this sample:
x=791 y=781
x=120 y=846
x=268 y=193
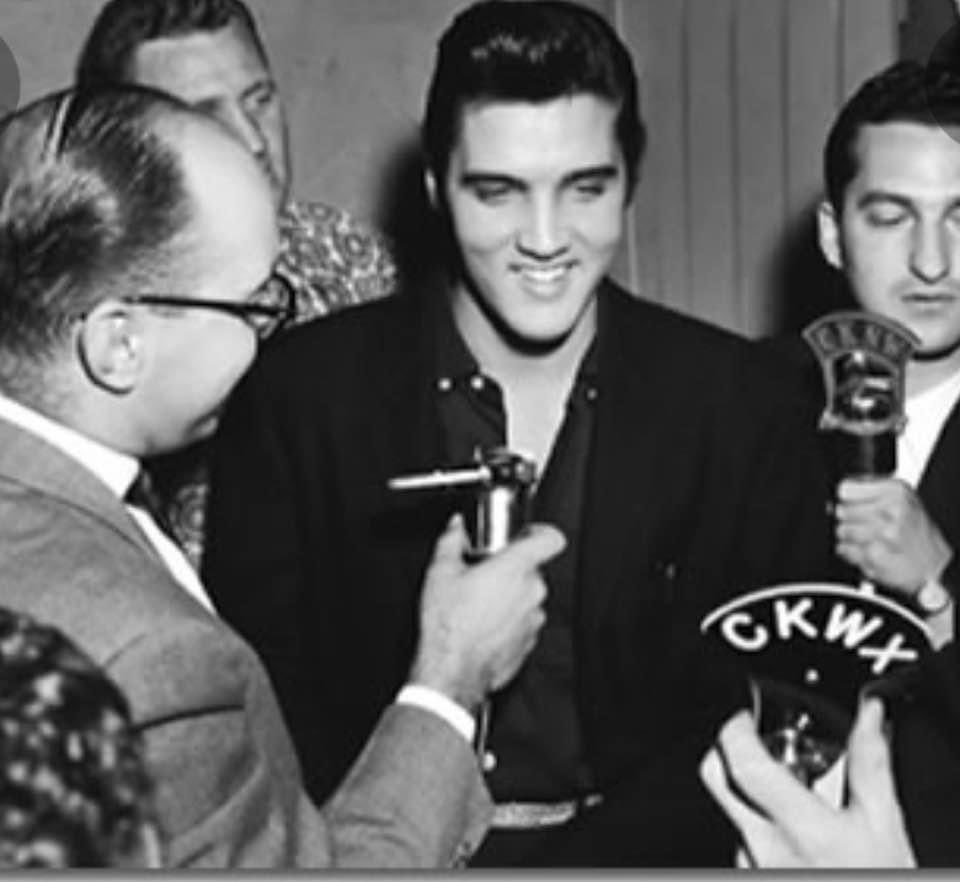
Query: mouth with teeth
x=544 y=278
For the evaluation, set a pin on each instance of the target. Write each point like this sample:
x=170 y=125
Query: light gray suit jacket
x=228 y=783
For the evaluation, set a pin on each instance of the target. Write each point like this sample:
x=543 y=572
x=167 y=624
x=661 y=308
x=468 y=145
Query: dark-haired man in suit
x=667 y=452
x=890 y=223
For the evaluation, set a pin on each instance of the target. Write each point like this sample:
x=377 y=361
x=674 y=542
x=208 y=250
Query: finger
x=852 y=490
x=875 y=540
x=852 y=554
x=856 y=533
x=767 y=783
x=864 y=514
x=757 y=832
x=874 y=557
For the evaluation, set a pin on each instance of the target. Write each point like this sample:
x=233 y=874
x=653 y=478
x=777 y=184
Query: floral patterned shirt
x=332 y=260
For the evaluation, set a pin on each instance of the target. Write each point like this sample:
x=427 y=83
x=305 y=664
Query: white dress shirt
x=926 y=415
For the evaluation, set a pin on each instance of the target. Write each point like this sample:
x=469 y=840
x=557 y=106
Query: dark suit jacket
x=926 y=724
x=926 y=719
x=701 y=483
x=228 y=784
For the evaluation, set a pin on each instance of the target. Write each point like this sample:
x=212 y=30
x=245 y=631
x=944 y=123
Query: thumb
x=538 y=544
x=870 y=775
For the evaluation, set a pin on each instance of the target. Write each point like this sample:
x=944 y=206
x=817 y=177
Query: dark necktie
x=143 y=495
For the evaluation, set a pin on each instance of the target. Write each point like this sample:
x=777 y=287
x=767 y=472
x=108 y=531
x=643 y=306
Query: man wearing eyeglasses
x=137 y=242
x=211 y=54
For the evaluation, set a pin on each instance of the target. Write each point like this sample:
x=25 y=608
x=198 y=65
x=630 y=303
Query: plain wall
x=352 y=72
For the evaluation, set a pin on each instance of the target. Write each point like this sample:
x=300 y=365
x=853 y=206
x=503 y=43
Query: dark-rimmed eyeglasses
x=271 y=308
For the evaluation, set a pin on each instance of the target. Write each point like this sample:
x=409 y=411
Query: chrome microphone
x=502 y=483
x=863 y=359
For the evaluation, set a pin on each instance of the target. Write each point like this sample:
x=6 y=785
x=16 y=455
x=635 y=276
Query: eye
x=590 y=188
x=887 y=215
x=492 y=193
x=262 y=97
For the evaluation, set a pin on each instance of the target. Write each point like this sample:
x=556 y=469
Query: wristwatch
x=933 y=597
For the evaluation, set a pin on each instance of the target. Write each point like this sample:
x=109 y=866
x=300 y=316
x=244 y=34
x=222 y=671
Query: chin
x=936 y=350
x=537 y=339
x=200 y=430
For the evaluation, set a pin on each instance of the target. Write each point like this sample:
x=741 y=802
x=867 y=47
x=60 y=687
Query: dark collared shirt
x=535 y=738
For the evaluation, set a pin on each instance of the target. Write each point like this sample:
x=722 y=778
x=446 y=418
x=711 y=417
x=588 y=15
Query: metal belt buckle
x=537 y=815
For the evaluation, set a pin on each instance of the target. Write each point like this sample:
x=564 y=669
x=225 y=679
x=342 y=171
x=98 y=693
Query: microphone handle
x=863 y=456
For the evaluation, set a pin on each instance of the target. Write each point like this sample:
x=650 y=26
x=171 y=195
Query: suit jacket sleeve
x=228 y=786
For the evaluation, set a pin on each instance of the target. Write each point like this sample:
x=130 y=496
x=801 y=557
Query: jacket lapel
x=401 y=375
x=402 y=435
x=631 y=463
x=940 y=484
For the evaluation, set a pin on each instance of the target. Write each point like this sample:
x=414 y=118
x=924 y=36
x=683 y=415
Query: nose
x=543 y=235
x=930 y=253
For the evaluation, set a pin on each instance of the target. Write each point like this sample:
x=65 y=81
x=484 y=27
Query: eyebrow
x=874 y=197
x=211 y=103
x=604 y=172
x=207 y=105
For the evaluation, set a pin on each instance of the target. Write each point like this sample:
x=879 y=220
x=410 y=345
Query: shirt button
x=489 y=761
x=476 y=382
x=592 y=393
x=444 y=384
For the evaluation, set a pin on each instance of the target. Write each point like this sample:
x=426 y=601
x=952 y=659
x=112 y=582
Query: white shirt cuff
x=437 y=703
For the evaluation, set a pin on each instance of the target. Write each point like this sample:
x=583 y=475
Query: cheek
x=874 y=270
x=598 y=224
x=482 y=231
x=866 y=249
x=228 y=362
x=246 y=352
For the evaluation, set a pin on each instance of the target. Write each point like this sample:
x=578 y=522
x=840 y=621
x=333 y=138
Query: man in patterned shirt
x=209 y=54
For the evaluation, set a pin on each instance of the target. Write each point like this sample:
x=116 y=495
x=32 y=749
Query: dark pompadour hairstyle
x=74 y=791
x=123 y=25
x=524 y=50
x=907 y=91
x=91 y=198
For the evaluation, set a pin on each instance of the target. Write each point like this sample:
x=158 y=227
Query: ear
x=430 y=185
x=828 y=234
x=112 y=346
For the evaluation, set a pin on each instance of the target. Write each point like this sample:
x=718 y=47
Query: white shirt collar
x=116 y=470
x=926 y=414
